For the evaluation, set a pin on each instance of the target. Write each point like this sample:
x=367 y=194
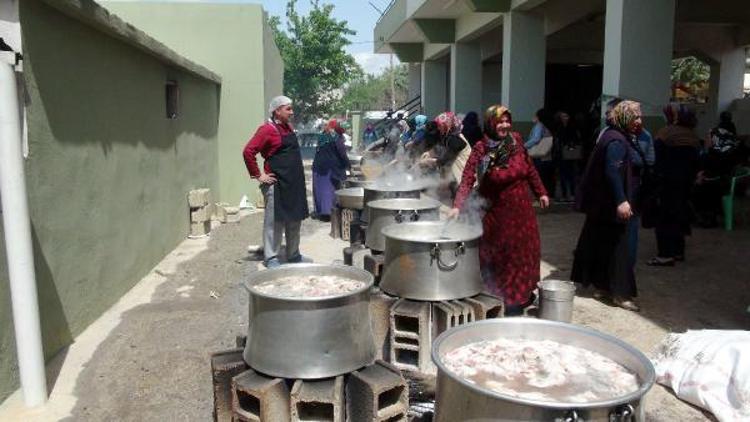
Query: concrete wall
x=107 y=172
x=235 y=41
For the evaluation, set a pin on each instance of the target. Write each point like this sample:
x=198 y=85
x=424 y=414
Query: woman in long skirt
x=329 y=169
x=603 y=256
x=509 y=250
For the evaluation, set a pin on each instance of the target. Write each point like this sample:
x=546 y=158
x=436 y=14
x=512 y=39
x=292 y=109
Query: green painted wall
x=107 y=172
x=234 y=41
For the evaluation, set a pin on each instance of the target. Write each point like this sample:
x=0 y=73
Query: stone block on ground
x=411 y=335
x=465 y=312
x=347 y=216
x=220 y=212
x=258 y=398
x=199 y=198
x=380 y=312
x=200 y=214
x=200 y=229
x=336 y=222
x=486 y=306
x=233 y=214
x=318 y=400
x=377 y=393
x=225 y=365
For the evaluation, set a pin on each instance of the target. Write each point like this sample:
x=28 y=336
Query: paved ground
x=148 y=358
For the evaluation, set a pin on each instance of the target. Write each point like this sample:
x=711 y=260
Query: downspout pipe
x=18 y=246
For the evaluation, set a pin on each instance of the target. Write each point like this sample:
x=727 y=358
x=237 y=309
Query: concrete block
x=465 y=313
x=232 y=210
x=374 y=264
x=199 y=198
x=258 y=398
x=486 y=306
x=444 y=317
x=411 y=335
x=347 y=216
x=335 y=223
x=380 y=314
x=377 y=393
x=220 y=212
x=349 y=252
x=225 y=365
x=200 y=229
x=318 y=400
x=233 y=218
x=200 y=214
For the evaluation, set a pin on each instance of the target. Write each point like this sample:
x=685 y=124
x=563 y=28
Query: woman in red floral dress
x=509 y=250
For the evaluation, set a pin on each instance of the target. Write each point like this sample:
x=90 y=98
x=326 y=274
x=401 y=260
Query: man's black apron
x=289 y=192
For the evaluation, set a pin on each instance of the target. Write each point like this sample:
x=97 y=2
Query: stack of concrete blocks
x=411 y=336
x=201 y=211
x=374 y=393
x=220 y=212
x=347 y=216
x=377 y=393
x=414 y=326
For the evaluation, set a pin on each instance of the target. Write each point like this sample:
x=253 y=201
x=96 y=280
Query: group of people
x=629 y=180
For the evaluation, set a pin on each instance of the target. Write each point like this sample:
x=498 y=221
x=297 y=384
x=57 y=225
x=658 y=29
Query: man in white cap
x=282 y=182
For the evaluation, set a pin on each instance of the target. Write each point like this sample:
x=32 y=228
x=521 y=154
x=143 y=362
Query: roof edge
x=94 y=15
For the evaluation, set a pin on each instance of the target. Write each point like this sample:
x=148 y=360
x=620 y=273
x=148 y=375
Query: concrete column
x=524 y=60
x=638 y=40
x=415 y=80
x=466 y=78
x=731 y=78
x=434 y=84
x=492 y=77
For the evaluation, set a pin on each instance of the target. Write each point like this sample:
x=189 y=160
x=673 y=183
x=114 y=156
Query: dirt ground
x=153 y=365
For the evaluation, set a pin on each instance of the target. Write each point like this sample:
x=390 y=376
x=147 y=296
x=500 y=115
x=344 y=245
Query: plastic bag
x=710 y=369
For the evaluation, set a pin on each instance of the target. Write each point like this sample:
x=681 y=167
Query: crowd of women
x=620 y=176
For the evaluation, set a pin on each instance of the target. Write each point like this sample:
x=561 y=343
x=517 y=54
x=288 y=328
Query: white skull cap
x=277 y=102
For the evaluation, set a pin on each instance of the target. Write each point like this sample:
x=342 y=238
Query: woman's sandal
x=661 y=262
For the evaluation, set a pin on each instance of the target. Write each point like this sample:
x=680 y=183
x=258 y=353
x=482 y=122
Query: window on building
x=173 y=99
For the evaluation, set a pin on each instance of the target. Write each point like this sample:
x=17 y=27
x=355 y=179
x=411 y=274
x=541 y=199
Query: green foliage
x=315 y=63
x=368 y=92
x=689 y=71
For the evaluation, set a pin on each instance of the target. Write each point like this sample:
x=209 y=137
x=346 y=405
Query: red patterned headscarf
x=448 y=123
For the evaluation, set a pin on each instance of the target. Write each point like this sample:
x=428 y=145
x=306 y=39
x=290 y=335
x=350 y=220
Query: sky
x=359 y=13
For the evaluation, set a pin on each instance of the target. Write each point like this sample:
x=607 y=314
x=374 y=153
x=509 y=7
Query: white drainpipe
x=17 y=228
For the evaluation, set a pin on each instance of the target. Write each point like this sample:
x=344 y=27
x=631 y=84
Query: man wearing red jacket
x=282 y=182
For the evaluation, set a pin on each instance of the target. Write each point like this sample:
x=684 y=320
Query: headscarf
x=369 y=127
x=277 y=102
x=420 y=121
x=448 y=123
x=499 y=150
x=625 y=114
x=327 y=137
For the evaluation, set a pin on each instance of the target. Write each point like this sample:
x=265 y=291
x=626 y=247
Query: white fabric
x=710 y=369
x=277 y=102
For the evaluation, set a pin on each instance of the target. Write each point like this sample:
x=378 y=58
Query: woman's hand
x=544 y=201
x=267 y=178
x=624 y=212
x=427 y=162
x=453 y=213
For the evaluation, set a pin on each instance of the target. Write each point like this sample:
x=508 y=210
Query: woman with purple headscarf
x=329 y=168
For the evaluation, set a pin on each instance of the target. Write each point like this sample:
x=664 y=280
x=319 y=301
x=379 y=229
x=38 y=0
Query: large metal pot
x=382 y=190
x=354 y=182
x=461 y=400
x=308 y=338
x=385 y=212
x=352 y=198
x=432 y=260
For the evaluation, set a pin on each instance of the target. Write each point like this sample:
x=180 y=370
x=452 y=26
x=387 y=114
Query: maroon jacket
x=266 y=141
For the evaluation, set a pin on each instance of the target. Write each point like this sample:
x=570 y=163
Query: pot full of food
x=525 y=369
x=432 y=260
x=309 y=321
x=352 y=198
x=382 y=189
x=385 y=212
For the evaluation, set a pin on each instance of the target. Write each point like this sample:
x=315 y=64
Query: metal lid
x=433 y=232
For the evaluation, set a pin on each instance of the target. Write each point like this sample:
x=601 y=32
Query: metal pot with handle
x=432 y=260
x=459 y=399
x=385 y=212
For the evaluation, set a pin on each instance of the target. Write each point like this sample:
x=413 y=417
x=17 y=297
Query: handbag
x=542 y=149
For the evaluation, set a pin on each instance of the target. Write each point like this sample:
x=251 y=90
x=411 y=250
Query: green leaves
x=368 y=92
x=316 y=65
